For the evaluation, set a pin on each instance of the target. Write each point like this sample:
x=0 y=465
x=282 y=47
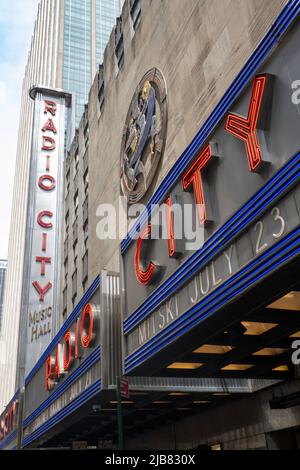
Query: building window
x=135 y=13
x=66 y=269
x=85 y=207
x=66 y=247
x=86 y=238
x=119 y=43
x=101 y=87
x=65 y=300
x=68 y=171
x=84 y=268
x=67 y=222
x=76 y=203
x=75 y=182
x=74 y=286
x=86 y=135
x=86 y=182
x=86 y=125
x=75 y=254
x=76 y=161
x=75 y=231
x=86 y=168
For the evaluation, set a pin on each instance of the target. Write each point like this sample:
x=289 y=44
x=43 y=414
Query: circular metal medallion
x=144 y=136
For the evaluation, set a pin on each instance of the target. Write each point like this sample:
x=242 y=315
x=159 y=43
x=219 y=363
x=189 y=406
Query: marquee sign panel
x=81 y=361
x=236 y=185
x=42 y=247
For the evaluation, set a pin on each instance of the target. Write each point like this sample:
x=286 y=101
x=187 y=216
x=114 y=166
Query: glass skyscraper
x=67 y=45
x=87 y=27
x=106 y=13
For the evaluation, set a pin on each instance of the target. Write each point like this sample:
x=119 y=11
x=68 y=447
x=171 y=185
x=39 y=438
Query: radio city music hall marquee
x=8 y=420
x=69 y=348
x=81 y=359
x=232 y=180
x=71 y=361
x=40 y=298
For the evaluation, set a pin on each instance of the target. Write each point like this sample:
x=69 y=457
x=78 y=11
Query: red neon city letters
x=40 y=219
x=69 y=343
x=192 y=179
x=49 y=126
x=245 y=128
x=42 y=291
x=170 y=227
x=143 y=276
x=50 y=107
x=44 y=242
x=48 y=143
x=47 y=187
x=43 y=260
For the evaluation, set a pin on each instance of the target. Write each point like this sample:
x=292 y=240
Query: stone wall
x=199 y=46
x=236 y=424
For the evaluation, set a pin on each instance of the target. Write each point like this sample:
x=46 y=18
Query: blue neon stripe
x=89 y=361
x=86 y=297
x=256 y=265
x=187 y=318
x=288 y=240
x=86 y=364
x=209 y=299
x=285 y=18
x=190 y=326
x=66 y=411
x=282 y=181
x=87 y=394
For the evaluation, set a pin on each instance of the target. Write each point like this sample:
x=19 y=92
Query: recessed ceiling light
x=270 y=351
x=221 y=394
x=213 y=349
x=161 y=402
x=216 y=447
x=201 y=402
x=185 y=365
x=290 y=301
x=237 y=367
x=178 y=394
x=282 y=368
x=184 y=409
x=257 y=328
x=125 y=402
x=295 y=335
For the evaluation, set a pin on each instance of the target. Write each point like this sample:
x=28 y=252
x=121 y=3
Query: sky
x=16 y=27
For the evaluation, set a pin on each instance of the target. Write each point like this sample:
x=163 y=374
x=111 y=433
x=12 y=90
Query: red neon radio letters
x=67 y=350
